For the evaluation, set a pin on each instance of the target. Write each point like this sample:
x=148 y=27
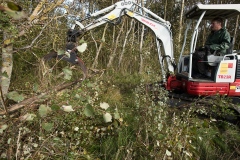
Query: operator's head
x=216 y=23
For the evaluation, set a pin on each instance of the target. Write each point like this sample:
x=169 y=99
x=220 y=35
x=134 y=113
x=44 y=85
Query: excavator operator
x=218 y=41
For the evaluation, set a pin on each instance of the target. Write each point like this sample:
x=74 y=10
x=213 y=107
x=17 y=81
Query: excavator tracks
x=226 y=108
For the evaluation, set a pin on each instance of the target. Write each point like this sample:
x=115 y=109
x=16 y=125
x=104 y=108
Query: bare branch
x=34 y=40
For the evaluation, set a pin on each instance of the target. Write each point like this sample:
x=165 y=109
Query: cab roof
x=213 y=10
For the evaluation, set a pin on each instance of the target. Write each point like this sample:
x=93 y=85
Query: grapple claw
x=72 y=35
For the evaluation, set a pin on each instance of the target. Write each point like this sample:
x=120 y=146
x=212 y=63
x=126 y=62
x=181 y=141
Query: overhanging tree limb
x=7 y=49
x=34 y=40
x=36 y=11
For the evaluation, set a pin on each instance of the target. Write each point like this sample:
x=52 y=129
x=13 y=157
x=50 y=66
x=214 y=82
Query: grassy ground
x=129 y=125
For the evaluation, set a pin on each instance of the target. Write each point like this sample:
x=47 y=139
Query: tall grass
x=145 y=130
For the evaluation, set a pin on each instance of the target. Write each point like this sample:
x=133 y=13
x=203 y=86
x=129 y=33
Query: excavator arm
x=159 y=26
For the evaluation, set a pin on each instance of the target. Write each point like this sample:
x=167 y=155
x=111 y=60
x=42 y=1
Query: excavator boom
x=130 y=8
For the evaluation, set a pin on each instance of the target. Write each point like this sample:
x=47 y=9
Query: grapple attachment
x=72 y=35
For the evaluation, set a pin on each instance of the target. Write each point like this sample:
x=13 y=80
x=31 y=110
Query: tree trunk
x=7 y=64
x=133 y=33
x=235 y=31
x=141 y=50
x=124 y=43
x=141 y=46
x=112 y=56
x=165 y=10
x=204 y=32
x=95 y=63
x=180 y=23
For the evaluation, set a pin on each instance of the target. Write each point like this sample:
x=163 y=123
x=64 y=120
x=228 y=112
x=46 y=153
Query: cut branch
x=43 y=96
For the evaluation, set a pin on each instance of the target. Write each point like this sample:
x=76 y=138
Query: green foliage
x=14 y=95
x=13 y=6
x=108 y=116
x=44 y=110
x=47 y=126
x=82 y=47
x=130 y=127
x=67 y=73
x=88 y=111
x=4 y=20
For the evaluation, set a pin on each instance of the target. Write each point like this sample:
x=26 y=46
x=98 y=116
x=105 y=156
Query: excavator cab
x=224 y=71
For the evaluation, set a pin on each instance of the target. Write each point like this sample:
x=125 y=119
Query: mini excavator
x=224 y=75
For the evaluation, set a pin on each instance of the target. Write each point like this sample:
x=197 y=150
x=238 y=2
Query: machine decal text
x=148 y=22
x=224 y=76
x=126 y=3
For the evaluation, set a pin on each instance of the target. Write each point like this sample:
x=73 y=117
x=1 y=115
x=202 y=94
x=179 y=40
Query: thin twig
x=41 y=146
x=3 y=101
x=35 y=39
x=18 y=144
